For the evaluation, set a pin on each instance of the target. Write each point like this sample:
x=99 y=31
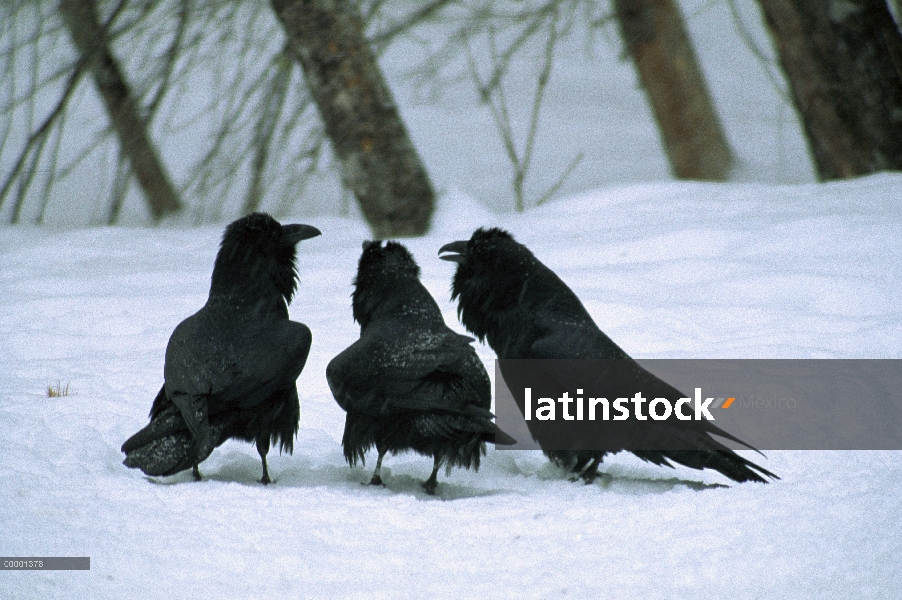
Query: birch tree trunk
x=843 y=61
x=668 y=70
x=379 y=163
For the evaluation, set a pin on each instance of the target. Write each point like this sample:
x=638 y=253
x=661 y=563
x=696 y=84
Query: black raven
x=409 y=382
x=510 y=299
x=231 y=367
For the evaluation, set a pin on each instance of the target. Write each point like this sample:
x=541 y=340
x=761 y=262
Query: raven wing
x=388 y=370
x=214 y=366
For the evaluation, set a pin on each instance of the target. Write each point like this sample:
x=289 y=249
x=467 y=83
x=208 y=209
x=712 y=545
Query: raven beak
x=459 y=250
x=292 y=234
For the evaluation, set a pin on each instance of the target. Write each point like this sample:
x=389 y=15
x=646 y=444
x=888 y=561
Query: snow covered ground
x=668 y=270
x=768 y=266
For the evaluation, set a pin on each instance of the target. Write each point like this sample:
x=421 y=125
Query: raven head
x=256 y=257
x=384 y=272
x=492 y=269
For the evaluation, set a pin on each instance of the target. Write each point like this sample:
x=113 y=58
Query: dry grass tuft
x=58 y=391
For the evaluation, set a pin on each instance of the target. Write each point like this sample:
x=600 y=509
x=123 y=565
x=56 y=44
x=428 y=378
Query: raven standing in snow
x=510 y=299
x=231 y=367
x=409 y=382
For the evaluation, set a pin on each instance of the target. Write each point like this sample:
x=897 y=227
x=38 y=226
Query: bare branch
x=91 y=40
x=172 y=54
x=36 y=138
x=381 y=40
x=270 y=111
x=768 y=64
x=493 y=94
x=51 y=171
x=560 y=180
x=541 y=84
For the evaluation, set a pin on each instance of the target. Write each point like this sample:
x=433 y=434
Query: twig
x=270 y=110
x=541 y=84
x=422 y=14
x=50 y=178
x=493 y=94
x=560 y=180
x=35 y=144
x=767 y=63
x=37 y=136
x=172 y=55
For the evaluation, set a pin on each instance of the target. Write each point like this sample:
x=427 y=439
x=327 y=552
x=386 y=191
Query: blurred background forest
x=186 y=112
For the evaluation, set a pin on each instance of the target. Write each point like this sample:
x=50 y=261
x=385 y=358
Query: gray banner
x=45 y=563
x=776 y=404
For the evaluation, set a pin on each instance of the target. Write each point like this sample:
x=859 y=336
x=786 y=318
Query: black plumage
x=231 y=367
x=409 y=382
x=525 y=311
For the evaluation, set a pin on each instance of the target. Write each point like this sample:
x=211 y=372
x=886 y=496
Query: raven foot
x=429 y=485
x=262 y=449
x=588 y=473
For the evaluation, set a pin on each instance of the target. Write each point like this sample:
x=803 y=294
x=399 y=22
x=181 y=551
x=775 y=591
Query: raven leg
x=430 y=484
x=581 y=461
x=377 y=479
x=196 y=472
x=263 y=448
x=591 y=471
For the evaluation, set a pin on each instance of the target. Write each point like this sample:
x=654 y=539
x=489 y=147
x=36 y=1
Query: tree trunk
x=668 y=70
x=843 y=61
x=378 y=160
x=92 y=42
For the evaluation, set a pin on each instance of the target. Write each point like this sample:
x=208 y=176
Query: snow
x=768 y=266
x=667 y=270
